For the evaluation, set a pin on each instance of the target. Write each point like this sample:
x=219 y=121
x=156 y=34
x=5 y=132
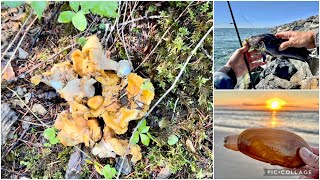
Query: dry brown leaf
x=8 y=74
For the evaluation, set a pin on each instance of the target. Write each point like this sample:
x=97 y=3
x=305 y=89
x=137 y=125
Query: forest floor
x=185 y=112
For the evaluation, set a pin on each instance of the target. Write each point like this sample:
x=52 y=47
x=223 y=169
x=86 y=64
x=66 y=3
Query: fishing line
x=245 y=58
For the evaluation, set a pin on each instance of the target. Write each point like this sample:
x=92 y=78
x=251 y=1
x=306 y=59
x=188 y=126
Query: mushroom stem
x=231 y=142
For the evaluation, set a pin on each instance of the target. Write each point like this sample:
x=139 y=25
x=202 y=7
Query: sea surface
x=226 y=42
x=305 y=124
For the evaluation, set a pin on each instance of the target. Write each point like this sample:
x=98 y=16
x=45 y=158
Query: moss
x=40 y=162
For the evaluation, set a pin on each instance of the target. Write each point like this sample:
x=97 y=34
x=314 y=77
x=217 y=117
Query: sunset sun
x=275 y=104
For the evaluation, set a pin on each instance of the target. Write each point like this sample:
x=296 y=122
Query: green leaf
x=102 y=8
x=53 y=140
x=152 y=8
x=135 y=138
x=47 y=145
x=74 y=5
x=173 y=139
x=13 y=4
x=147 y=85
x=145 y=139
x=79 y=21
x=82 y=41
x=143 y=128
x=66 y=16
x=108 y=172
x=142 y=125
x=39 y=7
x=49 y=133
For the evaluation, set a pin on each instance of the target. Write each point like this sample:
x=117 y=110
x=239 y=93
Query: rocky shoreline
x=288 y=73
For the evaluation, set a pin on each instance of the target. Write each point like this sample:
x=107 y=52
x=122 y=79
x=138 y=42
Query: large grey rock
x=8 y=118
x=274 y=82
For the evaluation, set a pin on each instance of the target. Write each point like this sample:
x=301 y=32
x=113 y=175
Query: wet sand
x=230 y=164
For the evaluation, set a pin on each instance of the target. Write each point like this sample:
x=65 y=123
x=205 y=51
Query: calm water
x=305 y=124
x=226 y=42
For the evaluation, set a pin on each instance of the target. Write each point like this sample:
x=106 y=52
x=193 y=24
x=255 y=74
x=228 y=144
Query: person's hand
x=312 y=162
x=296 y=39
x=237 y=64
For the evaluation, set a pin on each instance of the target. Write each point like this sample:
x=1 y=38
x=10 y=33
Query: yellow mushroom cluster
x=125 y=97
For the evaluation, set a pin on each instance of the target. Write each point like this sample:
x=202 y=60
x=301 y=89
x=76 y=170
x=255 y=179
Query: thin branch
x=17 y=35
x=165 y=33
x=15 y=51
x=28 y=108
x=193 y=52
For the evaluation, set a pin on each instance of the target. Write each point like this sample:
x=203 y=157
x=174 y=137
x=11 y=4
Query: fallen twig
x=193 y=52
x=28 y=107
x=15 y=51
x=17 y=35
x=51 y=57
x=165 y=33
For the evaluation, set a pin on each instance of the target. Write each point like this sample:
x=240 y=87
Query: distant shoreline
x=307 y=111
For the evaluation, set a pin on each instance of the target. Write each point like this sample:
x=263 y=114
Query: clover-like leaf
x=135 y=138
x=79 y=21
x=108 y=172
x=74 y=5
x=143 y=128
x=13 y=4
x=102 y=8
x=66 y=16
x=49 y=133
x=82 y=41
x=54 y=140
x=173 y=139
x=145 y=139
x=39 y=7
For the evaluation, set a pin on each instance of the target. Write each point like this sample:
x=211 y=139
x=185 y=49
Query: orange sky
x=256 y=100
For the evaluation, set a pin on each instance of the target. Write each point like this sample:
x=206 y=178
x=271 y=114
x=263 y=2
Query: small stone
x=17 y=102
x=22 y=54
x=190 y=146
x=20 y=91
x=38 y=108
x=27 y=98
x=126 y=167
x=26 y=125
x=164 y=173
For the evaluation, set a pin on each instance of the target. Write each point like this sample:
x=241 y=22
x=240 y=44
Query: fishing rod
x=245 y=58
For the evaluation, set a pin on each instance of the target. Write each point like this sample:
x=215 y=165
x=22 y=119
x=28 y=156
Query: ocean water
x=226 y=42
x=305 y=124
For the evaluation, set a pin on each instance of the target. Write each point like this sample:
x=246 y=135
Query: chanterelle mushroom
x=124 y=97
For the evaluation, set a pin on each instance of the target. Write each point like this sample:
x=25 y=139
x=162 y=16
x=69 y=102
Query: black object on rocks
x=284 y=69
x=281 y=68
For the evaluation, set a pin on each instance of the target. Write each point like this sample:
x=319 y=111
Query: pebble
x=26 y=125
x=27 y=98
x=38 y=108
x=22 y=54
